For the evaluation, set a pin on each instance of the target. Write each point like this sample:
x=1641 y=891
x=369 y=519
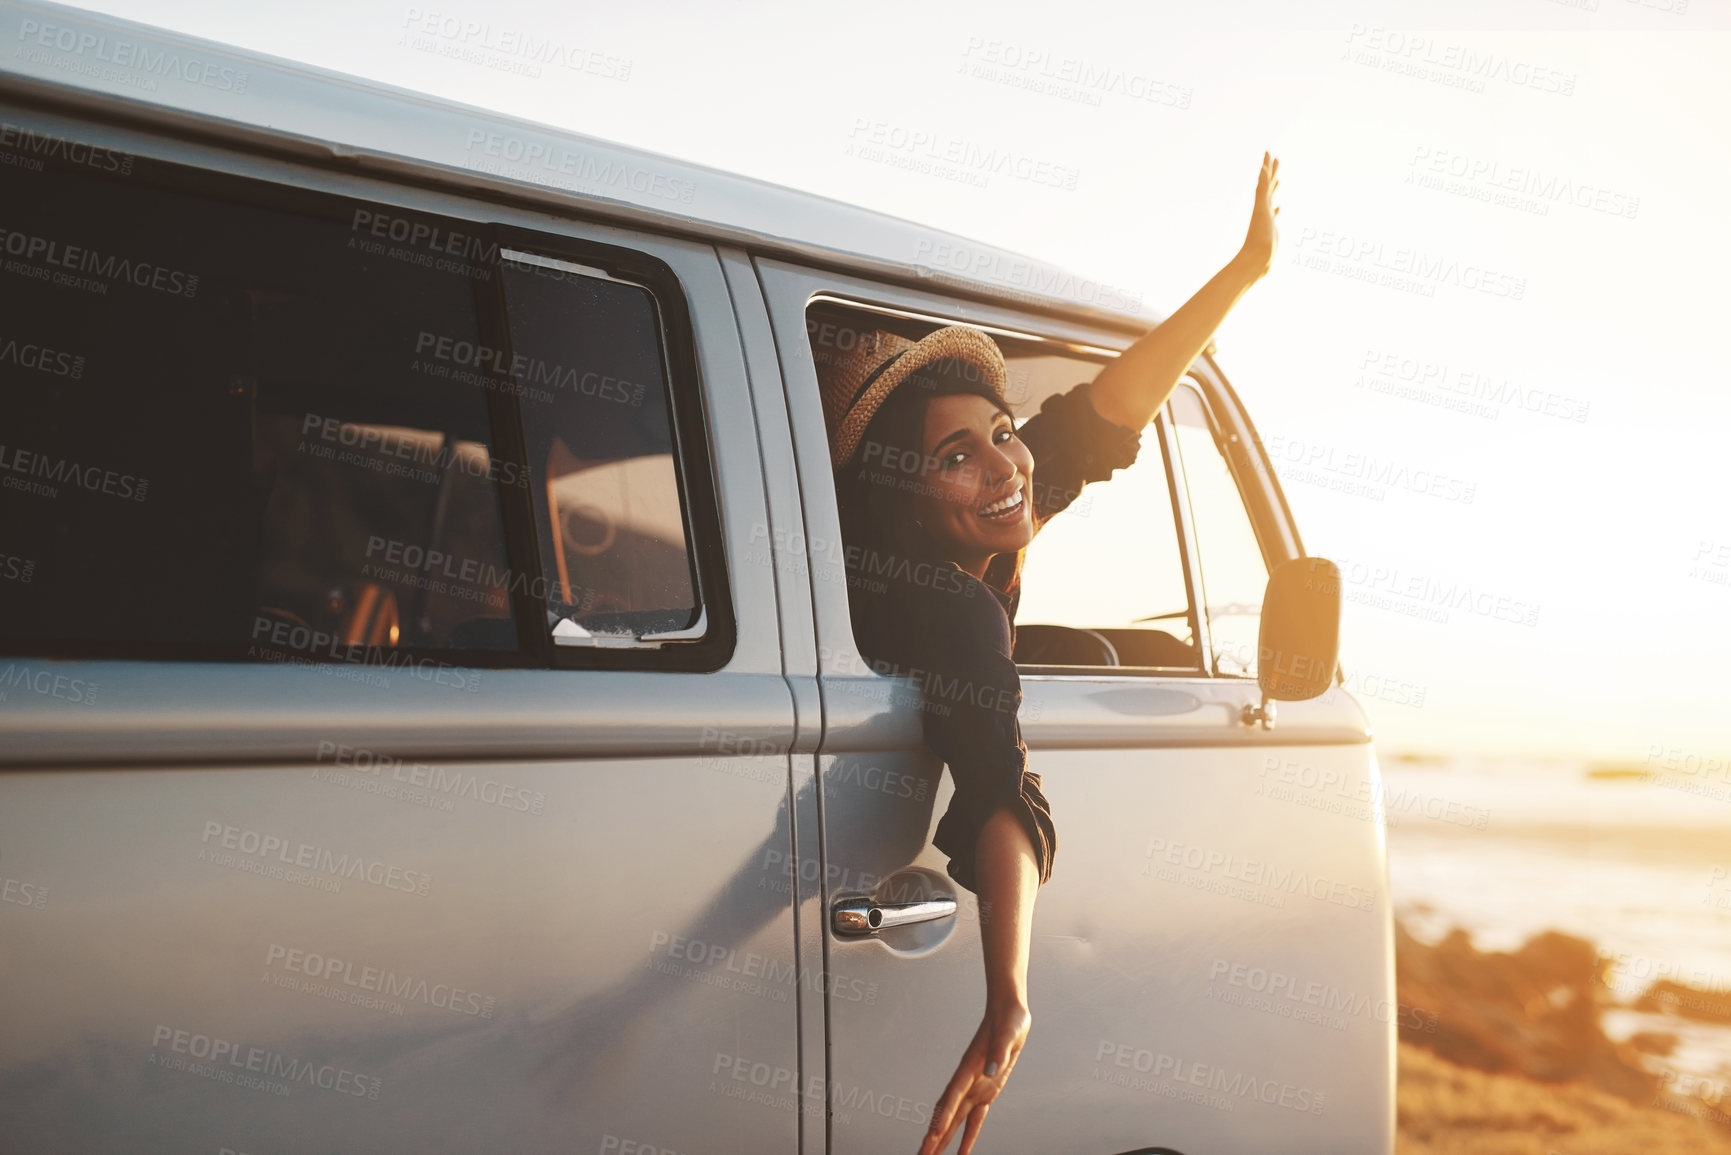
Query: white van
x=429 y=714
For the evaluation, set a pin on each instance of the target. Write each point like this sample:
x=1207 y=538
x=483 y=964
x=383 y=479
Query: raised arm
x=1131 y=390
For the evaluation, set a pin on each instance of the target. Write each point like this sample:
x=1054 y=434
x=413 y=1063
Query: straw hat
x=855 y=382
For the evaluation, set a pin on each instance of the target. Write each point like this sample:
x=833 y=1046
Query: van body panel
x=140 y=712
x=397 y=958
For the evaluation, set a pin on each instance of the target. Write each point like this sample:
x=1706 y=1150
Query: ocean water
x=1639 y=864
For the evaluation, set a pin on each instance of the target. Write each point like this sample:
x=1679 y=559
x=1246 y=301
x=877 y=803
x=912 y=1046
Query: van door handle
x=861 y=916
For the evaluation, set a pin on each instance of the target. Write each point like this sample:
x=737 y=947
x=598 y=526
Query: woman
x=939 y=495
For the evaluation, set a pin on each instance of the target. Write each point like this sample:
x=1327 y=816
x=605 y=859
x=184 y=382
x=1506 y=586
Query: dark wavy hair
x=876 y=490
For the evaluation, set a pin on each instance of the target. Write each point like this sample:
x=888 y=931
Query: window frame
x=694 y=469
x=694 y=472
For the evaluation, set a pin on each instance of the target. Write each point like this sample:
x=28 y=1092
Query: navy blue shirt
x=954 y=639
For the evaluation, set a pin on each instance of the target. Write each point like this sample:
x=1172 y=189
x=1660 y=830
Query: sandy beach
x=1452 y=1110
x=1576 y=964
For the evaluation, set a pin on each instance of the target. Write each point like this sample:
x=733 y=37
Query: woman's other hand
x=1257 y=255
x=984 y=1069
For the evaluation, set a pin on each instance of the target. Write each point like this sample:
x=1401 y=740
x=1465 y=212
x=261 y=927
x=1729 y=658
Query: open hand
x=1257 y=255
x=985 y=1067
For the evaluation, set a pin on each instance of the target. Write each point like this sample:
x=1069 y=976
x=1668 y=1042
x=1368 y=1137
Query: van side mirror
x=1298 y=641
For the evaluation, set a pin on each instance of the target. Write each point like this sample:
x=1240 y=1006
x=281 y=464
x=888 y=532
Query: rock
x=1533 y=1012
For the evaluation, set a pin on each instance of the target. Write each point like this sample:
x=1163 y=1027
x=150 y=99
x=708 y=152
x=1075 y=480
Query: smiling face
x=974 y=494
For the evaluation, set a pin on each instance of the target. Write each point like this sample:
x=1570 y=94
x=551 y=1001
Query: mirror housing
x=1298 y=640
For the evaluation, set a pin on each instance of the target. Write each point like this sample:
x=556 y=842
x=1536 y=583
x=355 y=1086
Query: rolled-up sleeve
x=970 y=697
x=1073 y=445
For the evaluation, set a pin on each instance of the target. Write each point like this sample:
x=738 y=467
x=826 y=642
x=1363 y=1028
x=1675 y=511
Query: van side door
x=1212 y=960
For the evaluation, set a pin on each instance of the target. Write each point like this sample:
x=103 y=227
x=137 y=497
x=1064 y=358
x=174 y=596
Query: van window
x=1234 y=574
x=244 y=422
x=1103 y=583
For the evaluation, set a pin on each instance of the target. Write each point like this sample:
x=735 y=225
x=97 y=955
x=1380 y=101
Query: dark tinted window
x=608 y=514
x=238 y=421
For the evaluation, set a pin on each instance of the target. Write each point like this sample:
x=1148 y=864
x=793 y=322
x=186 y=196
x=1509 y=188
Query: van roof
x=97 y=62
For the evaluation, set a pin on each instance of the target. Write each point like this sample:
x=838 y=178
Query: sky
x=1488 y=358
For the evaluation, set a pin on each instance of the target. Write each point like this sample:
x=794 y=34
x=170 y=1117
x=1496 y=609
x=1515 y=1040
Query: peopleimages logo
x=1388 y=371
x=417 y=458
x=1326 y=998
x=455 y=36
x=81 y=259
x=934 y=258
x=529 y=370
x=343 y=980
x=1403 y=267
x=1232 y=1086
x=1483 y=176
x=47 y=682
x=94 y=49
x=557 y=161
x=1423 y=595
x=39 y=146
x=1418 y=55
x=41 y=358
x=888 y=142
x=23 y=893
x=17 y=569
x=1361 y=472
x=438 y=780
x=27 y=463
x=1066 y=77
x=279 y=851
x=226 y=1061
x=1278 y=879
x=770 y=1084
x=276 y=640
